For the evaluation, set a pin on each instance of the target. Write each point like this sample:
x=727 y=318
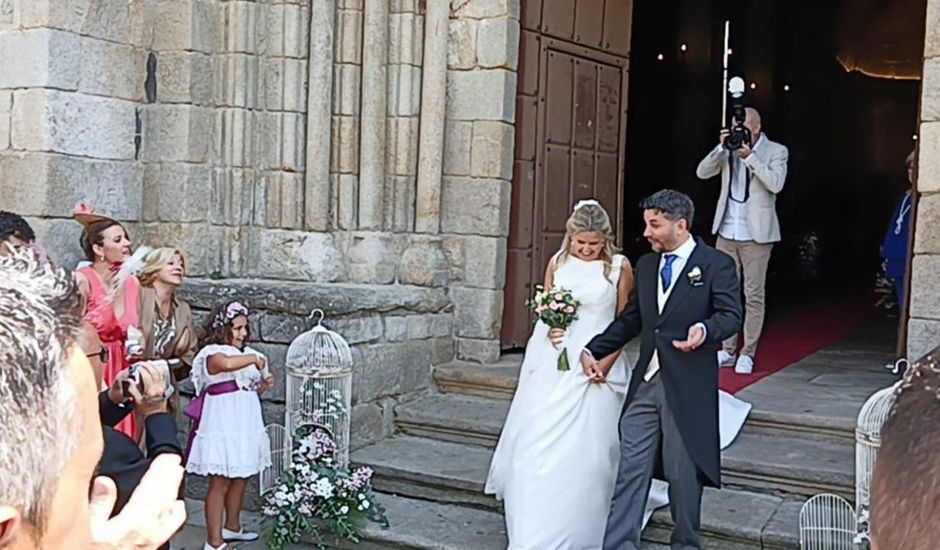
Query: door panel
x=570 y=135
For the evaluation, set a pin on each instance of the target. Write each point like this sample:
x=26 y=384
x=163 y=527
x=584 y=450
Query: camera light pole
x=724 y=77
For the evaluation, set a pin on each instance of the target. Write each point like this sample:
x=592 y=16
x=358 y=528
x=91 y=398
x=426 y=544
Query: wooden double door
x=570 y=135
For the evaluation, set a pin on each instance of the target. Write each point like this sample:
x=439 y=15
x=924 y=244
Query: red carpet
x=791 y=338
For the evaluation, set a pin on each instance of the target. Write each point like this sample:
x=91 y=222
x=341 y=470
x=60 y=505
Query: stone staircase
x=432 y=473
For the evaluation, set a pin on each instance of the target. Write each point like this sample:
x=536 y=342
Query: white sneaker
x=725 y=359
x=745 y=365
x=238 y=536
x=208 y=546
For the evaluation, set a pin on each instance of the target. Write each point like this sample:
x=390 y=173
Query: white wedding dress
x=556 y=461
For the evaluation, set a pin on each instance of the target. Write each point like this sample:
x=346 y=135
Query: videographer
x=123 y=461
x=51 y=437
x=753 y=169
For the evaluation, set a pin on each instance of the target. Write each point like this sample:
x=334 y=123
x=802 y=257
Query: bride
x=556 y=461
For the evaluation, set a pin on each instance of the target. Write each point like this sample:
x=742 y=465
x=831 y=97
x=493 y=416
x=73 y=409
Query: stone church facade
x=283 y=151
x=350 y=155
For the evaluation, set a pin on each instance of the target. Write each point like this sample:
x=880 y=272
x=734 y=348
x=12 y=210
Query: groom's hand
x=695 y=339
x=591 y=368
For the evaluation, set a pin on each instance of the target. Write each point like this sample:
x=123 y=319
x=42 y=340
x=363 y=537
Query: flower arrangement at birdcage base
x=313 y=492
x=557 y=308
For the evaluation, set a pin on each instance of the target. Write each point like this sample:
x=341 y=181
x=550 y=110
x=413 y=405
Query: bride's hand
x=557 y=337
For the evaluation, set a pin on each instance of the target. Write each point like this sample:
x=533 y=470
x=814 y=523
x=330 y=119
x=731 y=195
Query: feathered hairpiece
x=84 y=215
x=231 y=311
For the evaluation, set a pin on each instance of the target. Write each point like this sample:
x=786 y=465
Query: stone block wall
x=483 y=61
x=188 y=121
x=924 y=325
x=396 y=332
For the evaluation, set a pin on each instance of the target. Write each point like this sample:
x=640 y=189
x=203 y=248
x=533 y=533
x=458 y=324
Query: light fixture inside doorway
x=660 y=57
x=786 y=87
x=753 y=85
x=684 y=47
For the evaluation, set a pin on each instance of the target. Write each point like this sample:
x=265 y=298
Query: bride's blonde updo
x=590 y=217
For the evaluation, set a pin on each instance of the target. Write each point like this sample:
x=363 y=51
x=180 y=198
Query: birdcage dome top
x=319 y=351
x=875 y=411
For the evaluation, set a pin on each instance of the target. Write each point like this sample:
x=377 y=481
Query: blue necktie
x=666 y=272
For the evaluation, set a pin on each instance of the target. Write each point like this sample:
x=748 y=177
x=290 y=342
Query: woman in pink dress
x=111 y=310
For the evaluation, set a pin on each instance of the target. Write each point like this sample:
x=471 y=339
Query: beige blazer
x=768 y=169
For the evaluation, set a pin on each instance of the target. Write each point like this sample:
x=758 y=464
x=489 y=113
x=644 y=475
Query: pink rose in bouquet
x=557 y=308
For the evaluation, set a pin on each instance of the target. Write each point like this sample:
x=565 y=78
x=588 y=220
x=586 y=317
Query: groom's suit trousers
x=648 y=427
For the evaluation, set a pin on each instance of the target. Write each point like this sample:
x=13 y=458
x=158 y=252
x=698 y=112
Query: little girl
x=228 y=441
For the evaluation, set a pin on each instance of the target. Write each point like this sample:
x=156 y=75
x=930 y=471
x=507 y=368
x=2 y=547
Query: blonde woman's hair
x=590 y=218
x=157 y=260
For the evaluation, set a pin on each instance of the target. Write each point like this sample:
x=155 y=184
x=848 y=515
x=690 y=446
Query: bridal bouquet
x=557 y=308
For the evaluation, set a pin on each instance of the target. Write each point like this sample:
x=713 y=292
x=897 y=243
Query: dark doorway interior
x=848 y=134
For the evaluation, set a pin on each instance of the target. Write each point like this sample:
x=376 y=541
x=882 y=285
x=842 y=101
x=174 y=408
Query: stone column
x=478 y=162
x=319 y=106
x=433 y=105
x=924 y=296
x=374 y=112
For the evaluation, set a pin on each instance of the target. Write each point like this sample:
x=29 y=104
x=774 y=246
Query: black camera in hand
x=134 y=378
x=739 y=135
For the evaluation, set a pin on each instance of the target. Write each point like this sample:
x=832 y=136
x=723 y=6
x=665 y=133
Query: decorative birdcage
x=319 y=385
x=871 y=418
x=827 y=522
x=280 y=457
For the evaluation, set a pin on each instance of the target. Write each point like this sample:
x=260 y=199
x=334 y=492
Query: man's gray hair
x=39 y=414
x=674 y=205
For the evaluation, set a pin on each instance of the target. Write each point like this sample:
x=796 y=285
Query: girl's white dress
x=556 y=461
x=231 y=441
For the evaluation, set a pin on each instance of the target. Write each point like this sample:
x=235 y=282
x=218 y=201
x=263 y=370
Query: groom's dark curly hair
x=672 y=204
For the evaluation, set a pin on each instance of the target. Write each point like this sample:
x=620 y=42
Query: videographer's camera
x=134 y=378
x=739 y=135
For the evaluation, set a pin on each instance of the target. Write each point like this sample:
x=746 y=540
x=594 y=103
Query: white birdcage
x=827 y=522
x=319 y=385
x=280 y=457
x=871 y=418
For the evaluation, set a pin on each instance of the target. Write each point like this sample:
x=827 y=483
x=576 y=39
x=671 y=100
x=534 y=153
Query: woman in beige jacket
x=166 y=322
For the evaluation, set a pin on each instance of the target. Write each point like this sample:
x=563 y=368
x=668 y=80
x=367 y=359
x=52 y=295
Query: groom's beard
x=667 y=245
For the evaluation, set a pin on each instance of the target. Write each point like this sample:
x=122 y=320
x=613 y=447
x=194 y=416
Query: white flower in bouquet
x=323 y=488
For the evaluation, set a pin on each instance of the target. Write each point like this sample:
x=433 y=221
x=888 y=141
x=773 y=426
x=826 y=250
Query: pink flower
x=569 y=309
x=559 y=296
x=556 y=306
x=540 y=309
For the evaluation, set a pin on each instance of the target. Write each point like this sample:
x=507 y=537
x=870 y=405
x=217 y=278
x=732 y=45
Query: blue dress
x=895 y=245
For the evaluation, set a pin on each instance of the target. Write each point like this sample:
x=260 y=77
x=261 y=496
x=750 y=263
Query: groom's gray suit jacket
x=690 y=378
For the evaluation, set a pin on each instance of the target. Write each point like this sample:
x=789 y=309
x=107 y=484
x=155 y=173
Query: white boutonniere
x=695 y=276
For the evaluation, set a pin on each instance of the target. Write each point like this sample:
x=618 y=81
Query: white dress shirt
x=662 y=295
x=735 y=225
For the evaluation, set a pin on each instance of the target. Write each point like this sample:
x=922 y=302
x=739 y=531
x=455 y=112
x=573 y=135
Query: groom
x=686 y=300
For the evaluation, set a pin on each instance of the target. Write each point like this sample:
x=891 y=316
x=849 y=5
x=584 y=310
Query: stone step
x=802 y=424
x=764 y=461
x=454 y=417
x=454 y=473
x=798 y=412
x=792 y=465
x=425 y=525
x=497 y=381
